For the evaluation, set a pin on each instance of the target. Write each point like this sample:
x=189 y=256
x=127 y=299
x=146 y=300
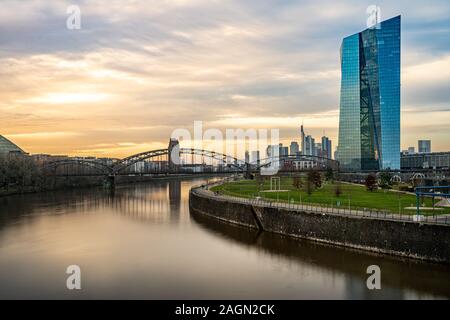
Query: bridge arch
x=103 y=168
x=133 y=159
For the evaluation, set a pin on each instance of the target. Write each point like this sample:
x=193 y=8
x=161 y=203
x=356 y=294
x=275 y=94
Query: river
x=141 y=242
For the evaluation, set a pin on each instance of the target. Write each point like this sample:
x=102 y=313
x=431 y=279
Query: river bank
x=68 y=183
x=425 y=241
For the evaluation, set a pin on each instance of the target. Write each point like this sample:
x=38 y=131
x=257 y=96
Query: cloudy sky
x=137 y=70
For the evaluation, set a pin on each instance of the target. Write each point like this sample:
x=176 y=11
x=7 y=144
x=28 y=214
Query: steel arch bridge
x=120 y=166
x=161 y=161
x=139 y=157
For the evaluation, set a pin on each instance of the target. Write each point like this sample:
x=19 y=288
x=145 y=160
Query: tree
x=385 y=179
x=297 y=182
x=20 y=171
x=371 y=182
x=315 y=178
x=329 y=175
x=2 y=171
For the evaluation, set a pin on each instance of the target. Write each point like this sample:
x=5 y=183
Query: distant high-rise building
x=369 y=118
x=283 y=151
x=303 y=141
x=273 y=151
x=326 y=147
x=424 y=146
x=318 y=149
x=247 y=156
x=309 y=146
x=255 y=157
x=294 y=148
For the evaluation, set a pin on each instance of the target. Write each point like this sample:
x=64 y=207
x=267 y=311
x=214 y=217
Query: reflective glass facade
x=7 y=146
x=369 y=119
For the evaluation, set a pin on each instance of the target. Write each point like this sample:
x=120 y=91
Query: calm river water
x=142 y=243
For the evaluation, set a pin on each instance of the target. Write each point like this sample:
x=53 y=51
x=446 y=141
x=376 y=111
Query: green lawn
x=355 y=196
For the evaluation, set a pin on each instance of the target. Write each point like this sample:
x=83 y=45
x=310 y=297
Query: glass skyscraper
x=369 y=118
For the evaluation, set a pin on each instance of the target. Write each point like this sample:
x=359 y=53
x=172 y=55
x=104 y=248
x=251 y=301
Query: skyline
x=132 y=73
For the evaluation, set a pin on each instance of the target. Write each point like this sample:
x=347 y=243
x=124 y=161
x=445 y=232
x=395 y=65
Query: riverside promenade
x=324 y=209
x=426 y=238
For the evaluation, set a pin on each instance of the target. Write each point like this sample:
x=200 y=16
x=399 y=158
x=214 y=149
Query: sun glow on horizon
x=68 y=98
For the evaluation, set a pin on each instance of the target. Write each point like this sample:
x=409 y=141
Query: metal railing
x=324 y=209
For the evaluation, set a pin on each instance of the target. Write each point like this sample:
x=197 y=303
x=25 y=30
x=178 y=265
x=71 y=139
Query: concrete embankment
x=425 y=241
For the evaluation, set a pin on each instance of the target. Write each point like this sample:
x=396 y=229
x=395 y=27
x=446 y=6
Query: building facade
x=433 y=160
x=326 y=147
x=283 y=151
x=424 y=146
x=294 y=148
x=309 y=146
x=7 y=147
x=369 y=118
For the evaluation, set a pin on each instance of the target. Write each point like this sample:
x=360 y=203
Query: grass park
x=330 y=193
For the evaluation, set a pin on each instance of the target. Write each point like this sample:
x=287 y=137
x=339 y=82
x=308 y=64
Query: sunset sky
x=137 y=70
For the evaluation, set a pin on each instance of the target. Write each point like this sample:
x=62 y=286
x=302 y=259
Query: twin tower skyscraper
x=369 y=118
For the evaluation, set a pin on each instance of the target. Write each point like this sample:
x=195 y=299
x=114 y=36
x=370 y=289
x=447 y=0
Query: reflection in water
x=401 y=278
x=142 y=242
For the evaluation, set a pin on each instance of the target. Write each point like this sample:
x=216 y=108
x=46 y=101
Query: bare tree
x=297 y=182
x=371 y=182
x=315 y=178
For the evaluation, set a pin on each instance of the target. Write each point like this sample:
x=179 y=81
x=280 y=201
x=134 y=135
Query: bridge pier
x=109 y=182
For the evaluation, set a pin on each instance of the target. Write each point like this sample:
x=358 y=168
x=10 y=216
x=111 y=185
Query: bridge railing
x=323 y=208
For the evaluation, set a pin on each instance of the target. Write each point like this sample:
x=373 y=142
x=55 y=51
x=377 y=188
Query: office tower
x=303 y=141
x=318 y=149
x=294 y=148
x=309 y=146
x=424 y=146
x=283 y=151
x=326 y=147
x=247 y=156
x=369 y=119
